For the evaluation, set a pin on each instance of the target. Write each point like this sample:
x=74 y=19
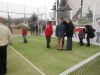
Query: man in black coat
x=90 y=33
x=69 y=34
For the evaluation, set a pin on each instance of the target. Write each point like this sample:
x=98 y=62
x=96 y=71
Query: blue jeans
x=69 y=43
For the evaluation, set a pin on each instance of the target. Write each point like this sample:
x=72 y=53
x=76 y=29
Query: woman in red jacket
x=24 y=34
x=48 y=33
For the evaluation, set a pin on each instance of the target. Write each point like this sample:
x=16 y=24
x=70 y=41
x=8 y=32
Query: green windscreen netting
x=91 y=68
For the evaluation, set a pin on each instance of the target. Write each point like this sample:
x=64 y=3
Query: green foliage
x=89 y=14
x=92 y=68
x=84 y=21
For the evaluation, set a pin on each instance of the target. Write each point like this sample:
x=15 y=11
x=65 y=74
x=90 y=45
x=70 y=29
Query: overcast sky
x=33 y=3
x=31 y=6
x=41 y=4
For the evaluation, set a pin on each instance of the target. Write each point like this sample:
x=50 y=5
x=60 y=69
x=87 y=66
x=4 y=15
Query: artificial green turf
x=17 y=66
x=91 y=68
x=51 y=61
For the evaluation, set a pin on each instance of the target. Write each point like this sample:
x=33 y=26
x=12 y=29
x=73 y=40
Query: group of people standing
x=63 y=29
x=37 y=28
x=66 y=28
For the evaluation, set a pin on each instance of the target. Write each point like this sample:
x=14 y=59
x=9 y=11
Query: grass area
x=84 y=21
x=17 y=66
x=92 y=68
x=51 y=61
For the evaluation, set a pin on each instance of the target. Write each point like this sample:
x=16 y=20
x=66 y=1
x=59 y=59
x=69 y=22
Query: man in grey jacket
x=5 y=38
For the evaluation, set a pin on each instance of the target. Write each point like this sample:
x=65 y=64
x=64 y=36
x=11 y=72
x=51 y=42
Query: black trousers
x=88 y=40
x=81 y=41
x=25 y=39
x=48 y=39
x=3 y=59
x=1 y=69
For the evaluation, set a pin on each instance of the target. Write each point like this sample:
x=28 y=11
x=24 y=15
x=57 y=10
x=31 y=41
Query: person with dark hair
x=48 y=33
x=60 y=30
x=81 y=36
x=5 y=39
x=90 y=33
x=69 y=34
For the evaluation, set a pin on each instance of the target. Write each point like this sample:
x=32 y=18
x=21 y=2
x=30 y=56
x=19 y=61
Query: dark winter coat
x=60 y=30
x=69 y=29
x=90 y=31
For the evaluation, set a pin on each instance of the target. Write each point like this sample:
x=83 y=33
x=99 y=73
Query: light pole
x=8 y=15
x=94 y=10
x=24 y=15
x=81 y=8
x=46 y=14
x=71 y=14
x=56 y=12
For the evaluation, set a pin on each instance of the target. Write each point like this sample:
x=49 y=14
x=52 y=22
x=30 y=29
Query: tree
x=63 y=2
x=64 y=8
x=90 y=14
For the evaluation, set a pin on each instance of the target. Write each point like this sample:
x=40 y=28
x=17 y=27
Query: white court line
x=80 y=64
x=27 y=61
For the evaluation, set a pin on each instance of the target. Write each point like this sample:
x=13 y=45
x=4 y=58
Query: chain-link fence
x=81 y=11
x=15 y=14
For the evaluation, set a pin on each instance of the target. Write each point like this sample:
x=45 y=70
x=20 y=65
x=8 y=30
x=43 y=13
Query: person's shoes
x=25 y=41
x=68 y=49
x=59 y=49
x=5 y=72
x=49 y=47
x=81 y=44
x=87 y=45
